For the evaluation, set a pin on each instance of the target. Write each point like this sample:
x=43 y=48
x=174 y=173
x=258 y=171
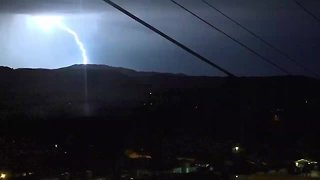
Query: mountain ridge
x=32 y=99
x=135 y=73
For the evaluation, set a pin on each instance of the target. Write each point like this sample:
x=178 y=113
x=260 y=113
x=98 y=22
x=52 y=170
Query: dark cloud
x=114 y=39
x=54 y=6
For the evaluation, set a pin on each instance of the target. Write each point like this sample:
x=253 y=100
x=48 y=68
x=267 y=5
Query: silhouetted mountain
x=125 y=71
x=156 y=103
x=95 y=112
x=3 y=68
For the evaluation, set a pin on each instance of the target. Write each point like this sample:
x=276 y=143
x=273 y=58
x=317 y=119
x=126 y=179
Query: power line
x=261 y=39
x=307 y=11
x=235 y=40
x=169 y=38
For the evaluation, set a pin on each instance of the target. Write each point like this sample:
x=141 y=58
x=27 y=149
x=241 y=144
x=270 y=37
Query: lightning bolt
x=77 y=39
x=47 y=23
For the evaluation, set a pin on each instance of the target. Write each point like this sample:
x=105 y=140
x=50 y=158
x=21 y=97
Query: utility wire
x=111 y=3
x=307 y=11
x=262 y=40
x=235 y=40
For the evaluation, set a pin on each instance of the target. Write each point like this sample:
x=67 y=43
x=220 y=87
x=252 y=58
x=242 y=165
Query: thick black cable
x=307 y=11
x=235 y=40
x=168 y=38
x=262 y=40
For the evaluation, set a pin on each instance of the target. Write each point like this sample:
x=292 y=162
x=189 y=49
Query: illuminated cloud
x=48 y=23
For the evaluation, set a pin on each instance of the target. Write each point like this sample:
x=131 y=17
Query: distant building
x=185 y=165
x=137 y=165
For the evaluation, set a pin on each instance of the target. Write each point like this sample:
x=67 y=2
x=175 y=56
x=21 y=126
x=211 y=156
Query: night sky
x=113 y=39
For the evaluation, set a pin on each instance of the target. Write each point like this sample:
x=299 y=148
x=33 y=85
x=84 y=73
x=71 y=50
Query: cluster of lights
x=65 y=174
x=203 y=165
x=57 y=146
x=5 y=175
x=26 y=174
x=302 y=162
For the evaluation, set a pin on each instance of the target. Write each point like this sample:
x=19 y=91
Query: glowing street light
x=236 y=149
x=3 y=176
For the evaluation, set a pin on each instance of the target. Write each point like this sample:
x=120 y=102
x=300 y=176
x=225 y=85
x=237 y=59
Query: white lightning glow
x=48 y=23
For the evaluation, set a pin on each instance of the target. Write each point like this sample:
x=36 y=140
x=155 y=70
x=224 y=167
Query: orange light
x=3 y=176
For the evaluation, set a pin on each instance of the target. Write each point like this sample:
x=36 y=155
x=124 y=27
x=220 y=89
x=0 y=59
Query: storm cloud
x=114 y=39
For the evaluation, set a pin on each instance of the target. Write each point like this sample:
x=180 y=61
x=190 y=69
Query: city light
x=236 y=149
x=3 y=176
x=303 y=162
